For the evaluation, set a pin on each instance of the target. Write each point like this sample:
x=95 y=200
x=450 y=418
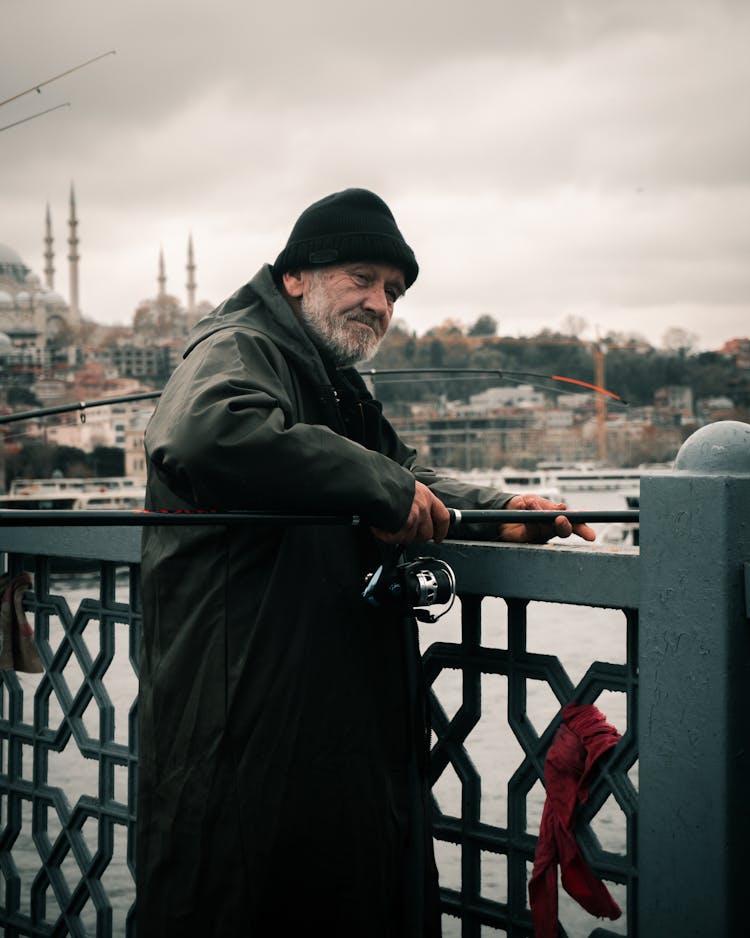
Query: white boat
x=559 y=480
x=508 y=479
x=622 y=533
x=103 y=492
x=590 y=477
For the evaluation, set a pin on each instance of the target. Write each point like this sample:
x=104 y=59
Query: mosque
x=32 y=313
x=33 y=316
x=163 y=316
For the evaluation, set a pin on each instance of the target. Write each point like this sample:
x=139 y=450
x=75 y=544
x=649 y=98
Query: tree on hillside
x=449 y=327
x=107 y=461
x=486 y=325
x=679 y=340
x=436 y=354
x=574 y=325
x=20 y=397
x=39 y=460
x=622 y=337
x=60 y=334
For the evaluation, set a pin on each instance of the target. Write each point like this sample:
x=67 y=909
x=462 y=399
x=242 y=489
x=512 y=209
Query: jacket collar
x=260 y=307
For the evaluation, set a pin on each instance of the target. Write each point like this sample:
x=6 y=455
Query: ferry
x=556 y=480
x=103 y=492
x=590 y=477
x=509 y=479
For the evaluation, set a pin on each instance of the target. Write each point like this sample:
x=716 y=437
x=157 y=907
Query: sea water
x=576 y=635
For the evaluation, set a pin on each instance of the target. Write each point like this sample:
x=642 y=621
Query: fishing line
x=38 y=114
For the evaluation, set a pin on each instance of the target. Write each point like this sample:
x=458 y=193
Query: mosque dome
x=5 y=341
x=52 y=299
x=11 y=264
x=6 y=300
x=9 y=256
x=23 y=299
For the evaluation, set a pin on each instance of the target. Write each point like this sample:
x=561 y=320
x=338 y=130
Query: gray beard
x=330 y=333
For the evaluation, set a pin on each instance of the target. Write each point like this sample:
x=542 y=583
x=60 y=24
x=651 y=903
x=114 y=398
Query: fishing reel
x=407 y=585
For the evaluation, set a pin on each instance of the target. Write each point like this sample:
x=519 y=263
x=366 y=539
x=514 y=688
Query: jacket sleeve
x=451 y=491
x=229 y=434
x=456 y=494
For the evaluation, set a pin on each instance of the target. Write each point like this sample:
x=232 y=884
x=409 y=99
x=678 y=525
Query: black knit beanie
x=353 y=225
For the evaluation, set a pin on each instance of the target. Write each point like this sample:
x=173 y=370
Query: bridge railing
x=665 y=823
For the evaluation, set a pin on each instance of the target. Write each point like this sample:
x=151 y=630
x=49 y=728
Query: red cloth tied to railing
x=582 y=738
x=17 y=649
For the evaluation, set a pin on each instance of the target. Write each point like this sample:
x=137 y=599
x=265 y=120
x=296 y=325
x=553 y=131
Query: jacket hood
x=259 y=307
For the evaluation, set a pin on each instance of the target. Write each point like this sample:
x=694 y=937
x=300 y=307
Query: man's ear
x=292 y=280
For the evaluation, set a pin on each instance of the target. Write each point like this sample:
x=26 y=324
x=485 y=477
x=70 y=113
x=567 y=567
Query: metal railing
x=675 y=783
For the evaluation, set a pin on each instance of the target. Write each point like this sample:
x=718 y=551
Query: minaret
x=75 y=312
x=191 y=284
x=162 y=278
x=49 y=269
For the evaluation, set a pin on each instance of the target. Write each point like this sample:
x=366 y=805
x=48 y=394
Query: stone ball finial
x=721 y=448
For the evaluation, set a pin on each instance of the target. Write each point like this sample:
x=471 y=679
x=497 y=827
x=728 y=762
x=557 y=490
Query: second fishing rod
x=387 y=373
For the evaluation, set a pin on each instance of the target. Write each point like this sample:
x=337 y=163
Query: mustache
x=372 y=321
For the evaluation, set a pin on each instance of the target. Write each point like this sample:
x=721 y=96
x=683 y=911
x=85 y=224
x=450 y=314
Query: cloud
x=543 y=159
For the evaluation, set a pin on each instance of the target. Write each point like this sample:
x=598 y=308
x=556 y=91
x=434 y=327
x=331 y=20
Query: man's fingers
x=441 y=520
x=540 y=533
x=584 y=531
x=428 y=519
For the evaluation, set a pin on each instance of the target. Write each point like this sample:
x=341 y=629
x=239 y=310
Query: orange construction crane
x=601 y=402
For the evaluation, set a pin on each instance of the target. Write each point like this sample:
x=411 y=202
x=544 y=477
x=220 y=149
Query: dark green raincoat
x=281 y=729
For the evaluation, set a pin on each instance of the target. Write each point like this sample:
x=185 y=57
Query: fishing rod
x=496 y=373
x=38 y=87
x=38 y=114
x=77 y=405
x=366 y=372
x=143 y=517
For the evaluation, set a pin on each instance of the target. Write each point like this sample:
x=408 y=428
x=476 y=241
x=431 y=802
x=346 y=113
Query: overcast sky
x=544 y=159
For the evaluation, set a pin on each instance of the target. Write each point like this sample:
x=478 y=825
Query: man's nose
x=376 y=300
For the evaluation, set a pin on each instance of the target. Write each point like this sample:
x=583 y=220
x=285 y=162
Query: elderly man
x=282 y=728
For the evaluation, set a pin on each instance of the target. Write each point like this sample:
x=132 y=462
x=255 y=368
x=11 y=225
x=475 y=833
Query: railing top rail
x=579 y=574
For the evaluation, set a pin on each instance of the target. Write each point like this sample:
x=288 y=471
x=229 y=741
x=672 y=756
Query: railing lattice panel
x=516 y=840
x=63 y=851
x=58 y=846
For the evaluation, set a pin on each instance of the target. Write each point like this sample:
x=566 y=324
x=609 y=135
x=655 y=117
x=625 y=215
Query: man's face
x=348 y=308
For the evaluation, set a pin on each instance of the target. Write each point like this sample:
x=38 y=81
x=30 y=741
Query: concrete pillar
x=693 y=847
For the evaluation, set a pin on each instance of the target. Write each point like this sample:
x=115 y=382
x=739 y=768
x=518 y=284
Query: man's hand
x=540 y=533
x=428 y=520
